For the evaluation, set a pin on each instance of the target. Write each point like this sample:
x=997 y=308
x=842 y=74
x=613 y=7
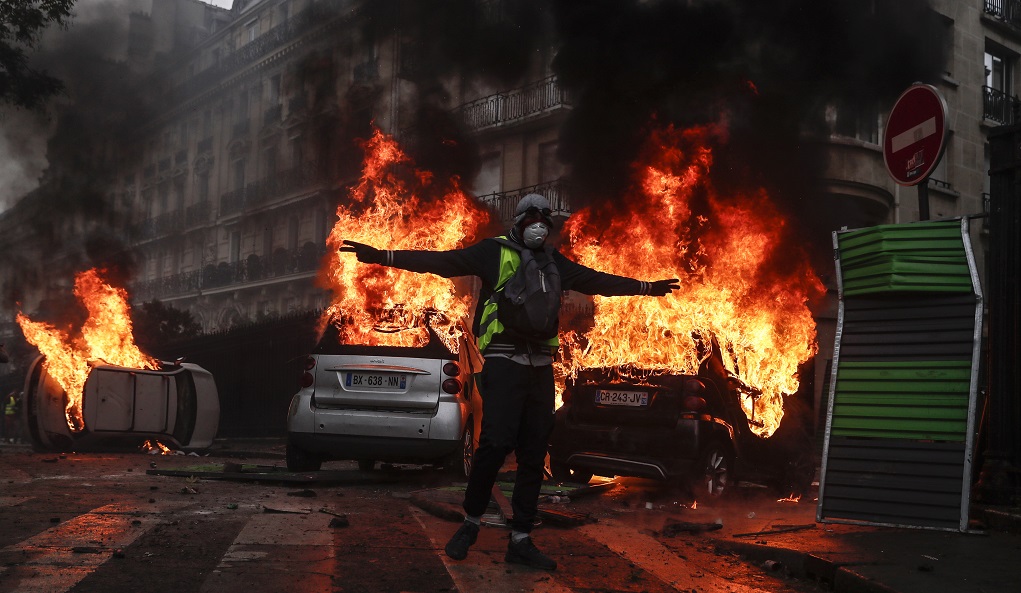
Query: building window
x=253 y=30
x=239 y=173
x=855 y=120
x=202 y=186
x=998 y=92
x=292 y=233
x=489 y=179
x=550 y=168
x=235 y=246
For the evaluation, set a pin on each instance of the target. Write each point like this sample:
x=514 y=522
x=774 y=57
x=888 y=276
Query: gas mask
x=535 y=235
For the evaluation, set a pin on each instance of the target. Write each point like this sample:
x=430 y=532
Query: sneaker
x=525 y=552
x=457 y=547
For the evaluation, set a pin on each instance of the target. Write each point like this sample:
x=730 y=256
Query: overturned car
x=121 y=407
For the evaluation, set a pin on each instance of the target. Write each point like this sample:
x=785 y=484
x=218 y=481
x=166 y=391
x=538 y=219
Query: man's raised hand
x=364 y=253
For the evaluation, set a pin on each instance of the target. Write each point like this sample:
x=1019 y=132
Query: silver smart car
x=386 y=404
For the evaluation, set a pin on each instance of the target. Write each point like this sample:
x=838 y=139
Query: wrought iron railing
x=1008 y=11
x=501 y=108
x=254 y=268
x=277 y=184
x=998 y=105
x=503 y=203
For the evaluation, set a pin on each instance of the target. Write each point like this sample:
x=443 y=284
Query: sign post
x=914 y=140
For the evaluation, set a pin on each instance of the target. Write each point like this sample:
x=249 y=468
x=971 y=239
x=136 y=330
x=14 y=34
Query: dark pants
x=517 y=415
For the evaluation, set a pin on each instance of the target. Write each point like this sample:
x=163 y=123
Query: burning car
x=684 y=428
x=176 y=404
x=399 y=404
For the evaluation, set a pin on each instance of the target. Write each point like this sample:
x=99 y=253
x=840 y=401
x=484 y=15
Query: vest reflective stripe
x=490 y=326
x=11 y=408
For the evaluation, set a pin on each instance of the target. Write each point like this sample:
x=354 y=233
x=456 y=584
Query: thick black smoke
x=92 y=131
x=771 y=66
x=489 y=43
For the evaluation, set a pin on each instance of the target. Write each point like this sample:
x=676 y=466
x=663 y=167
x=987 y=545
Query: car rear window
x=330 y=344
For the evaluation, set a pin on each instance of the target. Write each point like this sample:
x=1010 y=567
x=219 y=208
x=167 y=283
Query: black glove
x=364 y=253
x=663 y=287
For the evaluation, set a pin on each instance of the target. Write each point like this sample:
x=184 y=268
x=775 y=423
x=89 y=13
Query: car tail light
x=310 y=363
x=693 y=403
x=451 y=369
x=307 y=379
x=452 y=386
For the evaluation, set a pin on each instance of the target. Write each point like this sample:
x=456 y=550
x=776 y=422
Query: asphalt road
x=132 y=521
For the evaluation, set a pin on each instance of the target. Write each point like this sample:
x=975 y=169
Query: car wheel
x=459 y=463
x=366 y=465
x=563 y=473
x=714 y=474
x=300 y=460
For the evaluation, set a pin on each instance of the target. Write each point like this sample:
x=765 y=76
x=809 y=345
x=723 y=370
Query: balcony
x=282 y=263
x=503 y=203
x=998 y=106
x=273 y=186
x=513 y=106
x=1006 y=11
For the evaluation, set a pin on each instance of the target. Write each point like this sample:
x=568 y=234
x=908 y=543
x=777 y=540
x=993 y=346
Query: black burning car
x=683 y=428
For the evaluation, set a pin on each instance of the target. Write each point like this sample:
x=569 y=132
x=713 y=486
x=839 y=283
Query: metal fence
x=503 y=203
x=513 y=105
x=998 y=105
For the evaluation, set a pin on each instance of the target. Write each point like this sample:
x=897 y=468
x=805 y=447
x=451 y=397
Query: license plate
x=382 y=381
x=612 y=397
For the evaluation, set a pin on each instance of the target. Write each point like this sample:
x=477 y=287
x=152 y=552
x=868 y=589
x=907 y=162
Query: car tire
x=459 y=463
x=367 y=465
x=714 y=473
x=564 y=473
x=300 y=460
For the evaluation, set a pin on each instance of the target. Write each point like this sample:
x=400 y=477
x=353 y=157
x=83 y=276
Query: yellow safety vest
x=490 y=326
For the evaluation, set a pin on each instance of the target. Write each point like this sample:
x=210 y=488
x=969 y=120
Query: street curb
x=842 y=578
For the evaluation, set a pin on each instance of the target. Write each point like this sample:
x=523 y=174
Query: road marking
x=913 y=134
x=645 y=551
x=488 y=575
x=61 y=556
x=279 y=549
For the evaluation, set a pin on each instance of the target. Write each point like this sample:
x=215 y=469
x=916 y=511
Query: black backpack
x=528 y=305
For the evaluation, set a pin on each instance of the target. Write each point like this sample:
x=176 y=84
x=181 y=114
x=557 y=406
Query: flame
x=724 y=250
x=383 y=306
x=790 y=498
x=156 y=448
x=105 y=337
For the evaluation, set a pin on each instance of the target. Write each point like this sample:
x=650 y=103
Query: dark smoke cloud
x=90 y=130
x=772 y=66
x=491 y=43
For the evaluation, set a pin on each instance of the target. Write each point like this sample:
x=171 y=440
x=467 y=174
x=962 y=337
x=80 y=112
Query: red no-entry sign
x=916 y=134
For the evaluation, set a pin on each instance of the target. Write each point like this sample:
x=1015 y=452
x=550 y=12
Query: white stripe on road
x=268 y=544
x=911 y=135
x=646 y=552
x=489 y=575
x=96 y=535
